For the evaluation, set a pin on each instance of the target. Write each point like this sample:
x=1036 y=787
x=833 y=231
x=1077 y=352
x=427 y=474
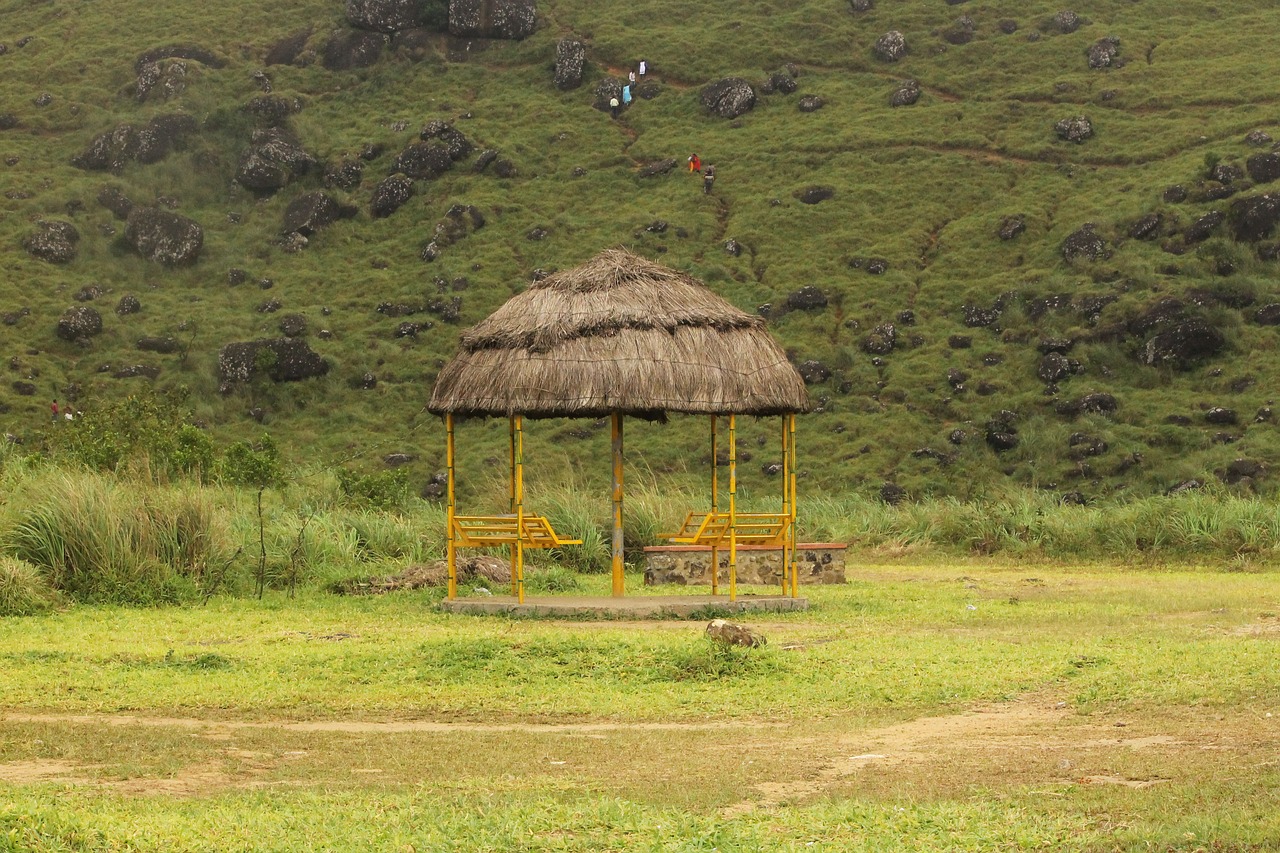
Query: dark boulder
x=1008 y=26
x=658 y=167
x=861 y=5
x=1103 y=53
x=126 y=143
x=346 y=174
x=1067 y=22
x=1240 y=470
x=1073 y=499
x=442 y=133
x=807 y=298
x=179 y=51
x=164 y=345
x=79 y=323
x=347 y=49
x=1084 y=243
x=1074 y=129
x=272 y=110
x=493 y=19
x=1254 y=218
x=1054 y=367
x=131 y=371
x=1011 y=226
x=273 y=160
x=1202 y=229
x=1226 y=173
x=1184 y=487
x=608 y=89
x=1146 y=228
x=907 y=93
x=8 y=121
x=1083 y=445
x=728 y=98
x=1175 y=194
x=1268 y=315
x=53 y=241
x=1221 y=416
x=293 y=325
x=890 y=47
x=813 y=372
x=312 y=211
x=127 y=305
x=881 y=340
x=814 y=195
x=389 y=195
x=809 y=104
x=1098 y=403
x=892 y=494
x=163 y=236
x=383 y=16
x=1263 y=168
x=571 y=58
x=961 y=32
x=957 y=436
x=779 y=82
x=1257 y=138
x=282 y=359
x=1183 y=344
x=114 y=200
x=977 y=317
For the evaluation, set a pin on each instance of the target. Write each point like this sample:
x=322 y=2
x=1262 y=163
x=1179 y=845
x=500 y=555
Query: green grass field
x=958 y=706
x=924 y=187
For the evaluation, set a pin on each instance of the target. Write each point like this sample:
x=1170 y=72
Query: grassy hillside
x=923 y=187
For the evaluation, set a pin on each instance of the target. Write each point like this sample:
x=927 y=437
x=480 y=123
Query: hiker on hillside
x=631 y=77
x=695 y=163
x=644 y=68
x=708 y=179
x=53 y=407
x=613 y=107
x=626 y=95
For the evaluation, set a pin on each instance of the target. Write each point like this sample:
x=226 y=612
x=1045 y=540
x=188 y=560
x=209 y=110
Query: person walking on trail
x=695 y=163
x=613 y=107
x=708 y=179
x=631 y=77
x=53 y=407
x=644 y=69
x=626 y=95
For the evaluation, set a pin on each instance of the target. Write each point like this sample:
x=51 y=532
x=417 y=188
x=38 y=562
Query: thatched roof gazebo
x=618 y=335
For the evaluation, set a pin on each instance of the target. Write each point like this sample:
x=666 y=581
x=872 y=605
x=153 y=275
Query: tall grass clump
x=100 y=540
x=23 y=590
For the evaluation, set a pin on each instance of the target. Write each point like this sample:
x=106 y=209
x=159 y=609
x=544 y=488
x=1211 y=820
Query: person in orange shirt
x=695 y=163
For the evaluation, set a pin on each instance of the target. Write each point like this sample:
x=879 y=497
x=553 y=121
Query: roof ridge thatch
x=618 y=333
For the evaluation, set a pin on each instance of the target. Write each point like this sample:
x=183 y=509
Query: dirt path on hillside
x=1034 y=741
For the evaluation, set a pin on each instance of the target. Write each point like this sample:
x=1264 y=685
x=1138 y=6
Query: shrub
x=379 y=490
x=23 y=590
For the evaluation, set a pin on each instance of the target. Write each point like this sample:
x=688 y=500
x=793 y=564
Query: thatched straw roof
x=618 y=334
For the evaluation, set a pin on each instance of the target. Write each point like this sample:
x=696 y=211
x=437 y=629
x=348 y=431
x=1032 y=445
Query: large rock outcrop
x=728 y=98
x=114 y=149
x=163 y=236
x=79 y=323
x=282 y=359
x=53 y=241
x=272 y=161
x=383 y=16
x=494 y=19
x=312 y=211
x=571 y=58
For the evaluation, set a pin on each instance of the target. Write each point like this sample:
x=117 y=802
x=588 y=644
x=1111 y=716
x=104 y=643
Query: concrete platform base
x=630 y=607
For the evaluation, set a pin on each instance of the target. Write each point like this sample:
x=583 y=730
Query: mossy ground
x=924 y=187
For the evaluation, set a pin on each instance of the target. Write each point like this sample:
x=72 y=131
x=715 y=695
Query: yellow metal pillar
x=517 y=569
x=452 y=547
x=786 y=506
x=733 y=508
x=715 y=496
x=791 y=487
x=616 y=550
x=511 y=489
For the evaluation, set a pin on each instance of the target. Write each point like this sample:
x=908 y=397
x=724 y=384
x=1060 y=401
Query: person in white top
x=644 y=68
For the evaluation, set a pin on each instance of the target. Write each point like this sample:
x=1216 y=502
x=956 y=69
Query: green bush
x=23 y=590
x=379 y=490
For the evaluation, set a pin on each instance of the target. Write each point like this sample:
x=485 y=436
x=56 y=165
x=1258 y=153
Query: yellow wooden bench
x=483 y=531
x=712 y=528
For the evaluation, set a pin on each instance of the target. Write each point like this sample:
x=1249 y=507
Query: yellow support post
x=792 y=534
x=786 y=505
x=517 y=573
x=452 y=547
x=733 y=508
x=619 y=580
x=715 y=490
x=511 y=492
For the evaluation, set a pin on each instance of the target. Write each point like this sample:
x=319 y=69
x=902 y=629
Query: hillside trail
x=1035 y=740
